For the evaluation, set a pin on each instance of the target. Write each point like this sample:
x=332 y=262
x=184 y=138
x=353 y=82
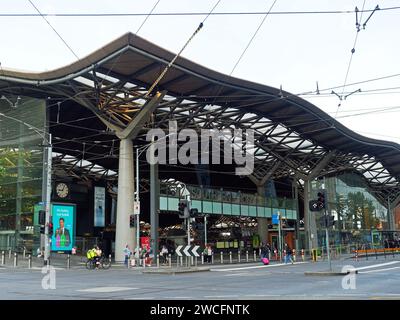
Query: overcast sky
x=294 y=51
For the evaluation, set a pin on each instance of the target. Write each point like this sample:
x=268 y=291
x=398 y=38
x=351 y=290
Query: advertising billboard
x=99 y=206
x=63 y=219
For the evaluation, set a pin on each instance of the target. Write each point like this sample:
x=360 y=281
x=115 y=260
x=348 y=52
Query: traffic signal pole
x=327 y=238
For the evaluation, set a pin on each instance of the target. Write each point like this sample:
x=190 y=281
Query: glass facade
x=360 y=217
x=21 y=170
x=219 y=201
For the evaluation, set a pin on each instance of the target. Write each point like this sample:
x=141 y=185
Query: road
x=376 y=279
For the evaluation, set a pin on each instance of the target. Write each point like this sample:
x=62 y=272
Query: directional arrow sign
x=194 y=251
x=178 y=251
x=186 y=251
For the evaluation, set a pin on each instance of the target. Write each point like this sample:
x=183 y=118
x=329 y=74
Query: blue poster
x=63 y=219
x=99 y=206
x=275 y=218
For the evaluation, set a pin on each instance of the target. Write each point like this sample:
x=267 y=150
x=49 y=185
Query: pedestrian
x=288 y=256
x=127 y=254
x=164 y=254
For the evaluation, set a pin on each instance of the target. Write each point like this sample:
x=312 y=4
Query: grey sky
x=294 y=51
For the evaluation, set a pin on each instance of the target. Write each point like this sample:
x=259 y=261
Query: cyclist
x=98 y=252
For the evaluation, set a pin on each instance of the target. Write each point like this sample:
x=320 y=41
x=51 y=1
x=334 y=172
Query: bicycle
x=104 y=263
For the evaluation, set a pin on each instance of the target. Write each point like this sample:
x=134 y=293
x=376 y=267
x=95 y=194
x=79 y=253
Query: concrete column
x=309 y=218
x=262 y=226
x=124 y=234
x=154 y=205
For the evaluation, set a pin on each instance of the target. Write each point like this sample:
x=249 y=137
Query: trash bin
x=314 y=255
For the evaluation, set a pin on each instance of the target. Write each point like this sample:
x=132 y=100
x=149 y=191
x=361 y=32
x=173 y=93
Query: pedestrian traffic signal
x=183 y=209
x=194 y=212
x=50 y=226
x=313 y=205
x=132 y=221
x=42 y=217
x=321 y=199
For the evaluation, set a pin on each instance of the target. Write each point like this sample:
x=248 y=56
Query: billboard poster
x=145 y=242
x=99 y=206
x=63 y=219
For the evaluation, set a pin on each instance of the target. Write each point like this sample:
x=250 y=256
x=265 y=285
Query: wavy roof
x=290 y=129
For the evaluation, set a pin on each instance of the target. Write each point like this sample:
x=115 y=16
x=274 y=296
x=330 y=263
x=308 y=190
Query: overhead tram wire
x=61 y=38
x=161 y=14
x=179 y=53
x=137 y=31
x=245 y=49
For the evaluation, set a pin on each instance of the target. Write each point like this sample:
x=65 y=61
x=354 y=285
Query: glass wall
x=21 y=169
x=359 y=216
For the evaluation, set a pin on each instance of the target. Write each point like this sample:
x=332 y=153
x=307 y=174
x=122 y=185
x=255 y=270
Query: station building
x=70 y=136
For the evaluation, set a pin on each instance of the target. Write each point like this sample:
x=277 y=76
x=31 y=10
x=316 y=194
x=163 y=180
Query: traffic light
x=321 y=200
x=330 y=221
x=50 y=229
x=42 y=217
x=313 y=205
x=194 y=212
x=42 y=230
x=132 y=221
x=183 y=209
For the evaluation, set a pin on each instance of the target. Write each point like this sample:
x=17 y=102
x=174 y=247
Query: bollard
x=239 y=256
x=24 y=253
x=144 y=263
x=182 y=261
x=294 y=255
x=68 y=262
x=195 y=261
x=276 y=254
x=376 y=254
x=230 y=256
x=384 y=252
x=3 y=258
x=366 y=254
x=158 y=261
x=356 y=255
x=109 y=258
x=222 y=257
x=202 y=258
x=212 y=258
x=255 y=255
x=302 y=254
x=15 y=259
x=170 y=261
x=9 y=254
x=30 y=261
x=393 y=253
x=247 y=256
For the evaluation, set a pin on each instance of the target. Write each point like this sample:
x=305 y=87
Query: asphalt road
x=376 y=279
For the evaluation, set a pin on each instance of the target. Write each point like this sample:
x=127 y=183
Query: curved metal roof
x=293 y=135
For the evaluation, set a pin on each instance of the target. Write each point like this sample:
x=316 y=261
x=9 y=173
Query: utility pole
x=48 y=199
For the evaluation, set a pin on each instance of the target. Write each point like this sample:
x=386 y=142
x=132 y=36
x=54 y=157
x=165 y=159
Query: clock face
x=62 y=190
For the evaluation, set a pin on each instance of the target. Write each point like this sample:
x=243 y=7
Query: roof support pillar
x=321 y=165
x=124 y=234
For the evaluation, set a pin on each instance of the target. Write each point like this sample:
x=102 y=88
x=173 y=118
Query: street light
x=48 y=178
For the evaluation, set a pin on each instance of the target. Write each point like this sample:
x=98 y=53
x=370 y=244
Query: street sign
x=136 y=209
x=275 y=218
x=178 y=251
x=188 y=251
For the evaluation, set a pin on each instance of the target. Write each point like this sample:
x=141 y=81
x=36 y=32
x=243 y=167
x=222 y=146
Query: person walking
x=127 y=254
x=288 y=256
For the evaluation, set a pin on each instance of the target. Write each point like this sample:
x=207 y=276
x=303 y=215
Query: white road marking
x=238 y=274
x=107 y=289
x=376 y=265
x=140 y=298
x=380 y=270
x=255 y=267
x=226 y=296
